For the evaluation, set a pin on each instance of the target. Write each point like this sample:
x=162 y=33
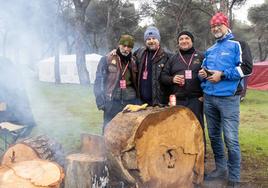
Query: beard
x=152 y=46
x=124 y=53
x=218 y=35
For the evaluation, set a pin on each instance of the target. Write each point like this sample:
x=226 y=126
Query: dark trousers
x=196 y=106
x=112 y=108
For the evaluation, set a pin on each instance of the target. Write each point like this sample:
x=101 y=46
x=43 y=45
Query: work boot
x=216 y=174
x=232 y=184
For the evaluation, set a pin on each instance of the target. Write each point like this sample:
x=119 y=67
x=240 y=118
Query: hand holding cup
x=179 y=79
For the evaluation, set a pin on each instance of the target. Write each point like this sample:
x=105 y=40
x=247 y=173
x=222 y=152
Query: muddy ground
x=254 y=173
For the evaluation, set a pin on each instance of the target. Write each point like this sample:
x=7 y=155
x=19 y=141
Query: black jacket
x=176 y=66
x=159 y=92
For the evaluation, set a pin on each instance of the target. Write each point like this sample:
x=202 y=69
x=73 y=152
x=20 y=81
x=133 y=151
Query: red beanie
x=219 y=18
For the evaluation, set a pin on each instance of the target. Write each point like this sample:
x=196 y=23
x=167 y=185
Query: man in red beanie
x=226 y=63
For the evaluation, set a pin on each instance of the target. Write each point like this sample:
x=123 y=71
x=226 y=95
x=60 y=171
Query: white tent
x=68 y=69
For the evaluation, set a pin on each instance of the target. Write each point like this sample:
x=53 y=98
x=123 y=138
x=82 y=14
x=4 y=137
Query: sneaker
x=232 y=184
x=216 y=174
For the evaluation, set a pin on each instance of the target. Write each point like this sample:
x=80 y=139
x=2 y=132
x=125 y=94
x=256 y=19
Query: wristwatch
x=222 y=75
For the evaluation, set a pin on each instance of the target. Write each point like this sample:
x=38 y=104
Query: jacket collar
x=227 y=36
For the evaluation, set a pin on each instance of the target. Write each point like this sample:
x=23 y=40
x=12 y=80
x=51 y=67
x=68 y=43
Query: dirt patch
x=254 y=173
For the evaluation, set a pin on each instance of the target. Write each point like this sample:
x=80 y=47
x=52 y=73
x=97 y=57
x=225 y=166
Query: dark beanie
x=127 y=40
x=186 y=33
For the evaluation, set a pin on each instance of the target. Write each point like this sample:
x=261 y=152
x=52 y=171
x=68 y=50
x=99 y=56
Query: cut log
x=85 y=171
x=155 y=148
x=92 y=145
x=31 y=174
x=40 y=147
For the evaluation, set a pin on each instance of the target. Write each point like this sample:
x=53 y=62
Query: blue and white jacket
x=234 y=59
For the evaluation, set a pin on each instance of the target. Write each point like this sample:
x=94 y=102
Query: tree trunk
x=155 y=148
x=110 y=34
x=4 y=44
x=57 y=64
x=80 y=9
x=95 y=43
x=260 y=47
x=31 y=174
x=39 y=147
x=85 y=171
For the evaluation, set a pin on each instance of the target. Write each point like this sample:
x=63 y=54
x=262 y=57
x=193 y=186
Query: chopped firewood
x=39 y=147
x=31 y=174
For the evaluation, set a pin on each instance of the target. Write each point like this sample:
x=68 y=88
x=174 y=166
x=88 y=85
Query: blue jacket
x=234 y=59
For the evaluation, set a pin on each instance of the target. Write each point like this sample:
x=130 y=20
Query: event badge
x=188 y=74
x=144 y=75
x=123 y=84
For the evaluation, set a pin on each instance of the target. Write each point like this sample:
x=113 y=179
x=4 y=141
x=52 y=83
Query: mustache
x=151 y=43
x=125 y=53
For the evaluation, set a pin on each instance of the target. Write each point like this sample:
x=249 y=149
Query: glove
x=134 y=108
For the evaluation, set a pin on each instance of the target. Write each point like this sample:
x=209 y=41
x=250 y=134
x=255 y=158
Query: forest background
x=31 y=30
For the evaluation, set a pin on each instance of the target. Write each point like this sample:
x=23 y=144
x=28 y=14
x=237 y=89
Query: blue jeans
x=222 y=115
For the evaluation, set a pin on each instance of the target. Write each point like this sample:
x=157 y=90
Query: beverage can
x=172 y=100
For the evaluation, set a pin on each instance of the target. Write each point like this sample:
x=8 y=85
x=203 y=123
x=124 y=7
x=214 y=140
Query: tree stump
x=31 y=174
x=40 y=147
x=85 y=171
x=92 y=145
x=156 y=148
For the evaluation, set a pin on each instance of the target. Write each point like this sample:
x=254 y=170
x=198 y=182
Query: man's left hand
x=215 y=77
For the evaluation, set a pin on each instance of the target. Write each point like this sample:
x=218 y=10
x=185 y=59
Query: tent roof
x=259 y=78
x=261 y=63
x=72 y=58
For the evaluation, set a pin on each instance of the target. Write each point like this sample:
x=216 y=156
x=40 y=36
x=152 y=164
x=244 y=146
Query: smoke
x=19 y=40
x=13 y=95
x=27 y=35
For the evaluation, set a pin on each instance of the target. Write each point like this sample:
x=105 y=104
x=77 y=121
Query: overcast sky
x=240 y=14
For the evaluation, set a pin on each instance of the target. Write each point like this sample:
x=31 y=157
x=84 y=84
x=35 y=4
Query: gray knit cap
x=152 y=31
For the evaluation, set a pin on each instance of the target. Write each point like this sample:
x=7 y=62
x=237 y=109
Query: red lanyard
x=146 y=59
x=125 y=69
x=184 y=61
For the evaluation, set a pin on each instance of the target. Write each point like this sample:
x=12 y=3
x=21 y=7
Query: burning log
x=39 y=147
x=155 y=148
x=31 y=174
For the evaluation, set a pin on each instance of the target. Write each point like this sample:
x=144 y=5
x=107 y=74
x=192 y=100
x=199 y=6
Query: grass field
x=254 y=123
x=63 y=112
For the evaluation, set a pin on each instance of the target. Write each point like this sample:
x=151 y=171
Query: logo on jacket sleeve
x=225 y=53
